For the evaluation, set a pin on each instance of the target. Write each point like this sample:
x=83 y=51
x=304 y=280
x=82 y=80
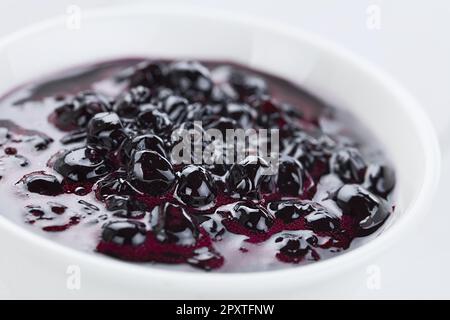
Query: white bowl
x=36 y=267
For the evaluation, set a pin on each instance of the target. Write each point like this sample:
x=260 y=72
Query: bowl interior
x=322 y=69
x=329 y=76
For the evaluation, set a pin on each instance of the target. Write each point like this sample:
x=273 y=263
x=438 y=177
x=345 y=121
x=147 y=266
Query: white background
x=413 y=44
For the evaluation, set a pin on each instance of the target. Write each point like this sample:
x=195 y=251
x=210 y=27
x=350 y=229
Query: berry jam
x=87 y=158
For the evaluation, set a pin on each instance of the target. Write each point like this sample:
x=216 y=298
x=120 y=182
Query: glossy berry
x=176 y=107
x=188 y=143
x=290 y=211
x=162 y=93
x=115 y=183
x=148 y=74
x=269 y=114
x=247 y=85
x=127 y=105
x=81 y=165
x=349 y=165
x=77 y=112
x=190 y=79
x=105 y=130
x=247 y=176
x=128 y=232
x=125 y=207
x=222 y=124
x=242 y=113
x=205 y=113
x=195 y=131
x=144 y=142
x=380 y=179
x=174 y=225
x=289 y=178
x=251 y=216
x=152 y=173
x=213 y=225
x=155 y=120
x=368 y=211
x=295 y=247
x=43 y=183
x=322 y=220
x=218 y=169
x=312 y=152
x=196 y=187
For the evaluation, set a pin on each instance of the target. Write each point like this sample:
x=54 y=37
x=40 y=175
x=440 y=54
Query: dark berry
x=247 y=176
x=247 y=85
x=152 y=173
x=251 y=216
x=289 y=179
x=128 y=232
x=218 y=169
x=213 y=225
x=125 y=207
x=115 y=183
x=174 y=225
x=176 y=107
x=162 y=94
x=296 y=247
x=193 y=129
x=222 y=124
x=380 y=179
x=43 y=183
x=148 y=74
x=77 y=112
x=312 y=152
x=149 y=142
x=291 y=113
x=202 y=112
x=289 y=211
x=190 y=79
x=269 y=113
x=368 y=211
x=81 y=164
x=322 y=220
x=242 y=113
x=127 y=105
x=187 y=143
x=196 y=187
x=155 y=120
x=349 y=165
x=105 y=131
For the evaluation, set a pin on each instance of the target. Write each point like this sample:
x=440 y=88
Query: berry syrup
x=86 y=160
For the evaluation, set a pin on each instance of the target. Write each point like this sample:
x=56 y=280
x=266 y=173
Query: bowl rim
x=296 y=275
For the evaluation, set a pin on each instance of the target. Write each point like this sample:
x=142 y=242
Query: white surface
x=411 y=45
